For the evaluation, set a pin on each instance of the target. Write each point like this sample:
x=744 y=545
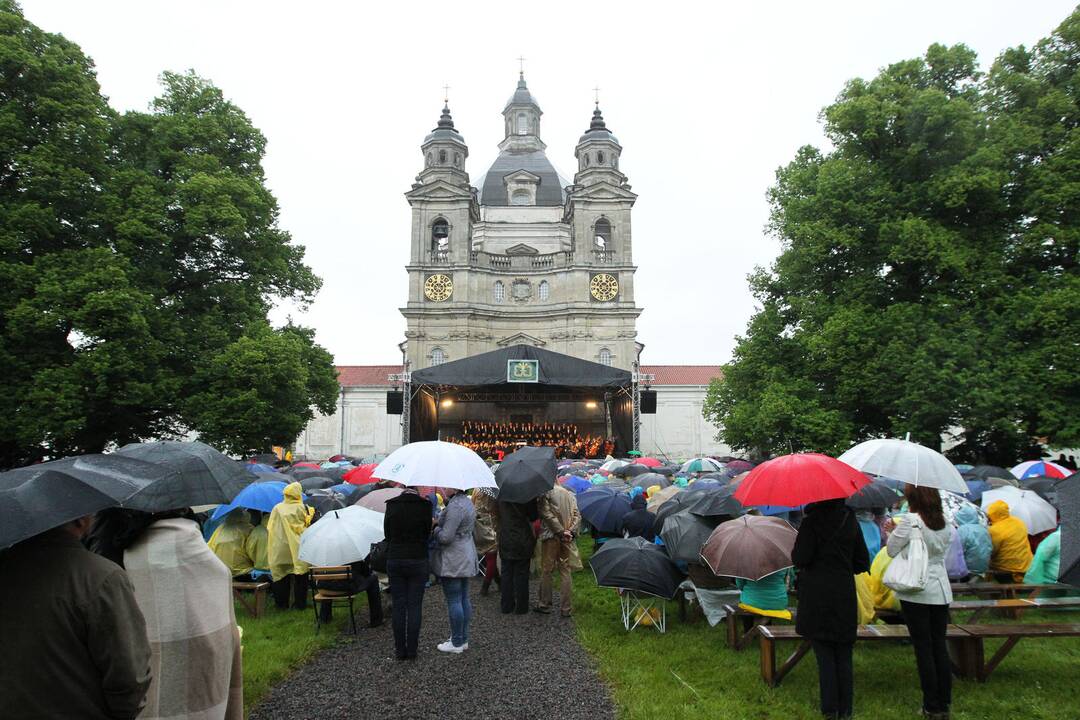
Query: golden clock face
x=438 y=288
x=604 y=287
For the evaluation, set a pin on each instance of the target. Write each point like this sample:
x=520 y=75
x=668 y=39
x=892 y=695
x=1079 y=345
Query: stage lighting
x=447 y=403
x=591 y=404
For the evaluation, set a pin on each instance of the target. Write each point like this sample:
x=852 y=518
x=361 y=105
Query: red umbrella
x=360 y=475
x=649 y=462
x=306 y=464
x=799 y=479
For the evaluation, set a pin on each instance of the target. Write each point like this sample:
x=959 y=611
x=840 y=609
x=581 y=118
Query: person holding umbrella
x=454 y=562
x=522 y=477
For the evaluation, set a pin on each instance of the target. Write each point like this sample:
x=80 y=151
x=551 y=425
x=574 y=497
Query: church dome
x=521 y=95
x=445 y=129
x=597 y=129
x=549 y=191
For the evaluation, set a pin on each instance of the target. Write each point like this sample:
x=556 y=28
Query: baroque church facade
x=519 y=256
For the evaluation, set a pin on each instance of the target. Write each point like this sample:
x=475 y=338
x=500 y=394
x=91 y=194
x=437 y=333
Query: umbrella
x=577 y=484
x=437 y=463
x=611 y=465
x=337 y=458
x=360 y=475
x=1037 y=514
x=1040 y=467
x=875 y=495
x=632 y=470
x=683 y=534
x=195 y=474
x=664 y=470
x=996 y=482
x=735 y=467
x=1069 y=503
x=307 y=465
x=341 y=537
x=701 y=465
x=344 y=489
x=749 y=547
x=316 y=482
x=376 y=499
x=905 y=461
x=976 y=488
x=603 y=508
x=951 y=503
x=985 y=472
x=261 y=496
x=964 y=467
x=526 y=473
x=662 y=496
x=649 y=462
x=714 y=502
x=647 y=480
x=799 y=479
x=334 y=474
x=267 y=458
x=45 y=496
x=324 y=501
x=259 y=468
x=1044 y=487
x=638 y=565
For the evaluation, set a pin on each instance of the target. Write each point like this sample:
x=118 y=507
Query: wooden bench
x=331 y=573
x=258 y=605
x=739 y=638
x=772 y=634
x=1007 y=590
x=969 y=652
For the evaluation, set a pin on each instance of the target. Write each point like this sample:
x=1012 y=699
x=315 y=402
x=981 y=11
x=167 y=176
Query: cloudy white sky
x=708 y=99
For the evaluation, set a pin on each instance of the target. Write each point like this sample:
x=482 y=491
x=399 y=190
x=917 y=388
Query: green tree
x=136 y=252
x=915 y=291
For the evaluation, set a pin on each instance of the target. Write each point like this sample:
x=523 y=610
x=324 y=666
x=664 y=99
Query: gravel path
x=516 y=666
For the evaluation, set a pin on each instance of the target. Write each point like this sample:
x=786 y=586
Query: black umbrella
x=45 y=496
x=684 y=533
x=316 y=482
x=1044 y=487
x=334 y=473
x=676 y=504
x=324 y=501
x=715 y=503
x=526 y=474
x=649 y=479
x=638 y=565
x=985 y=472
x=632 y=470
x=875 y=495
x=664 y=470
x=1068 y=491
x=200 y=475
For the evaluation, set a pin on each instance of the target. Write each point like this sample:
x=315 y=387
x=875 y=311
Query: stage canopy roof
x=553 y=368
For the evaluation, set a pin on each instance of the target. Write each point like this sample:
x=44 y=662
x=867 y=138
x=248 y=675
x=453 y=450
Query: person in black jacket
x=516 y=544
x=407 y=526
x=829 y=551
x=639 y=522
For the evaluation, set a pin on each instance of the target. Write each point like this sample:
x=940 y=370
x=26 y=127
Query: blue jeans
x=459 y=607
x=407 y=580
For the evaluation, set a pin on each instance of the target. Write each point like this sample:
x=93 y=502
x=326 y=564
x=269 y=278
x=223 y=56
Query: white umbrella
x=341 y=536
x=436 y=464
x=1037 y=514
x=614 y=465
x=907 y=462
x=951 y=504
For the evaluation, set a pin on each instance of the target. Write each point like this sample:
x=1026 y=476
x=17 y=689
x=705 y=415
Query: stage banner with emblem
x=522 y=371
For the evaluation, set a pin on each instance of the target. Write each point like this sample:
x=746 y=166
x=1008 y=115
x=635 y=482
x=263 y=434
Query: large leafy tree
x=138 y=252
x=927 y=280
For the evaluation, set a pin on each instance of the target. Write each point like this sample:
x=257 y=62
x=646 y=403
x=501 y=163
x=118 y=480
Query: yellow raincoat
x=864 y=598
x=1009 y=536
x=255 y=546
x=228 y=542
x=288 y=521
x=884 y=597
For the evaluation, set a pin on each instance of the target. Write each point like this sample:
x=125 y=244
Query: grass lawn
x=279 y=641
x=1039 y=678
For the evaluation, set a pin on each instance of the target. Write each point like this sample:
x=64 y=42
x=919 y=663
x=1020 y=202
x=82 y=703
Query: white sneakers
x=449 y=647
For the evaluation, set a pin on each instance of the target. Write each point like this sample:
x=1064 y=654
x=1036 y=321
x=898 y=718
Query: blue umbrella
x=577 y=484
x=259 y=468
x=777 y=509
x=256 y=496
x=976 y=488
x=345 y=489
x=603 y=508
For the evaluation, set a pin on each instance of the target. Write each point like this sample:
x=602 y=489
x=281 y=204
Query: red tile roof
x=365 y=375
x=682 y=374
x=375 y=375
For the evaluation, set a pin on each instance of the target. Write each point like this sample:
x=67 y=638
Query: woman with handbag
x=454 y=562
x=829 y=551
x=918 y=545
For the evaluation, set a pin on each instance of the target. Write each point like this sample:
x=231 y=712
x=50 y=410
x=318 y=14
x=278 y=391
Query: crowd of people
x=495 y=440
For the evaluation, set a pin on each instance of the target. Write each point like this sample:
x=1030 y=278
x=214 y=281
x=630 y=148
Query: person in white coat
x=926 y=611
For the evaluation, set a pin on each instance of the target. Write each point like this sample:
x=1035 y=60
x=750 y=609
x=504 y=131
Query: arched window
x=602 y=239
x=457 y=159
x=584 y=157
x=428 y=160
x=440 y=237
x=521 y=197
x=523 y=124
x=544 y=291
x=500 y=291
x=438 y=356
x=599 y=158
x=605 y=356
x=442 y=157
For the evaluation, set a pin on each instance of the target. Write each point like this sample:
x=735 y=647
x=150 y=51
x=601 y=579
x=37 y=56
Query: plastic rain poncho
x=884 y=597
x=288 y=520
x=228 y=543
x=1009 y=537
x=1047 y=561
x=975 y=539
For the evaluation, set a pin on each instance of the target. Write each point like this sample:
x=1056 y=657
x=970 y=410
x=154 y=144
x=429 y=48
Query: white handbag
x=908 y=571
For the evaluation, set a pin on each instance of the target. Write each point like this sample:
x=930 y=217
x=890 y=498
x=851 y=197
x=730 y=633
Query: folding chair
x=636 y=606
x=332 y=574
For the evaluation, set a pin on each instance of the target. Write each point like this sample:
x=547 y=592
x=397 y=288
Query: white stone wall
x=678 y=430
x=367 y=429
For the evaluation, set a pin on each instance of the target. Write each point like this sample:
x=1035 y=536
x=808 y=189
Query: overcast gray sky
x=707 y=99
